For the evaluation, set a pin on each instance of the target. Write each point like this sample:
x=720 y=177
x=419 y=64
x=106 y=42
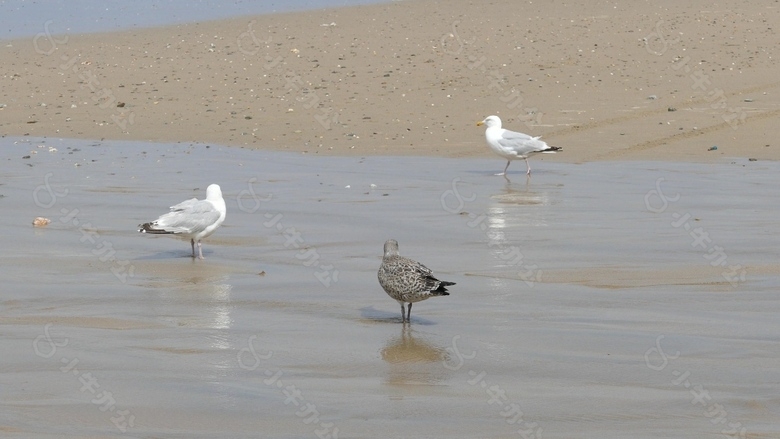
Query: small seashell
x=41 y=221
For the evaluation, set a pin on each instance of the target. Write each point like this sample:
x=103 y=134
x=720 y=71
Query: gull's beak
x=480 y=123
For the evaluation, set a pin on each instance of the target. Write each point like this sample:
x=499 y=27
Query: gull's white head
x=213 y=192
x=491 y=121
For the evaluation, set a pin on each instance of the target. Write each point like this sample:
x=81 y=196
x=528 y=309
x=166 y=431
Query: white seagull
x=195 y=219
x=512 y=145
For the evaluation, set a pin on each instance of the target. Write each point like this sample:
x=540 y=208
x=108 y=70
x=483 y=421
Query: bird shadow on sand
x=172 y=254
x=378 y=316
x=513 y=176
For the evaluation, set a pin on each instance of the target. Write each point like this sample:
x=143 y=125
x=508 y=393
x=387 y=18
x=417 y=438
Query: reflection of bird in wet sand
x=407 y=281
x=512 y=145
x=413 y=360
x=194 y=219
x=410 y=349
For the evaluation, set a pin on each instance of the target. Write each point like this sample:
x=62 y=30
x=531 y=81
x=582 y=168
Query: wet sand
x=584 y=307
x=627 y=289
x=662 y=80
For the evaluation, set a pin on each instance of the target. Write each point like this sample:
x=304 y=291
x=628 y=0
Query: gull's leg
x=529 y=167
x=403 y=313
x=200 y=251
x=506 y=167
x=192 y=242
x=409 y=313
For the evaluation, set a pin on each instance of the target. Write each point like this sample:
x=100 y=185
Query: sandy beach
x=636 y=80
x=627 y=288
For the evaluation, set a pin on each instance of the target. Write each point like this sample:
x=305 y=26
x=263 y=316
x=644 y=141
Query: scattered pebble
x=748 y=100
x=712 y=148
x=752 y=160
x=41 y=221
x=652 y=97
x=671 y=109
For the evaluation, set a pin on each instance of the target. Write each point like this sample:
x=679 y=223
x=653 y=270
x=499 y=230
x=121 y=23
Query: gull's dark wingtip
x=149 y=228
x=441 y=290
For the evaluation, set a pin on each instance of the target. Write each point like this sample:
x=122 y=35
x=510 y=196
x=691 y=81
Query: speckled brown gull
x=407 y=281
x=194 y=219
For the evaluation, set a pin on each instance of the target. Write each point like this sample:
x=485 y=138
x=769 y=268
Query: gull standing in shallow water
x=194 y=218
x=512 y=145
x=407 y=281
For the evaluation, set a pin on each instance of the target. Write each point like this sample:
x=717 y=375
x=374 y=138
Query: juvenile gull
x=512 y=145
x=194 y=218
x=407 y=281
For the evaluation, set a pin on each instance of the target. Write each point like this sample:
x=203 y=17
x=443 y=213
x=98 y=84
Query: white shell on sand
x=40 y=221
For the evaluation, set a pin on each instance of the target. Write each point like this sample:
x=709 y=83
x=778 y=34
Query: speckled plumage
x=406 y=280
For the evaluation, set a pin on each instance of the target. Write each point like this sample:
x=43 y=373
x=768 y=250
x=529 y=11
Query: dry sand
x=627 y=80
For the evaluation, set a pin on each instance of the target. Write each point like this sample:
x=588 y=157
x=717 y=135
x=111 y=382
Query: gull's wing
x=424 y=280
x=190 y=217
x=412 y=265
x=520 y=143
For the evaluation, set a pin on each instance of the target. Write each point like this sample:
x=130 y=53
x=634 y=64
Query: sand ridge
x=634 y=80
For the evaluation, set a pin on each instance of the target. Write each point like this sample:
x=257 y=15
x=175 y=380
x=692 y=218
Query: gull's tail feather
x=552 y=149
x=441 y=289
x=150 y=228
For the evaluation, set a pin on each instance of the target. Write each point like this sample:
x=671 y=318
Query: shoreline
x=414 y=80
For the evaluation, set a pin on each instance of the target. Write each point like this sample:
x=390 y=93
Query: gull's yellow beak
x=480 y=123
